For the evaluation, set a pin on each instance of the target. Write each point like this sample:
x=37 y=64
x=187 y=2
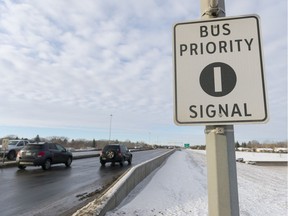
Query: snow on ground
x=255 y=156
x=179 y=188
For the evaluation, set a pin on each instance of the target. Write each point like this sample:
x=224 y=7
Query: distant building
x=264 y=150
x=281 y=150
x=245 y=149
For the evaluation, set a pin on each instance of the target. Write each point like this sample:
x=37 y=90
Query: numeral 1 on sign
x=217 y=79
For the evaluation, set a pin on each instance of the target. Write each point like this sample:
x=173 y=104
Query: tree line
x=99 y=144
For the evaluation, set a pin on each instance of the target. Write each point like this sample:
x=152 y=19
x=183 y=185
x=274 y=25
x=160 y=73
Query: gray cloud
x=72 y=66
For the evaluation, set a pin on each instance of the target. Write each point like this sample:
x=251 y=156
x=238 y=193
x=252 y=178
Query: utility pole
x=110 y=128
x=220 y=148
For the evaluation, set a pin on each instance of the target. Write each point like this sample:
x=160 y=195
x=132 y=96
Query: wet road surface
x=61 y=190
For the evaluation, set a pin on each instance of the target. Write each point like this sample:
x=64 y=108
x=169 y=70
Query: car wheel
x=11 y=155
x=130 y=161
x=21 y=167
x=47 y=164
x=68 y=162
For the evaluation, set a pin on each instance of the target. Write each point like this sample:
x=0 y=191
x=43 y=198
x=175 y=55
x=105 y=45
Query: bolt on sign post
x=219 y=80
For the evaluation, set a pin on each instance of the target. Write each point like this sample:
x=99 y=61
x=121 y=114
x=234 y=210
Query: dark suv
x=115 y=153
x=43 y=154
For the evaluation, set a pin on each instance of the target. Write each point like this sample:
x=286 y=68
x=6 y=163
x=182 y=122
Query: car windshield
x=13 y=142
x=34 y=147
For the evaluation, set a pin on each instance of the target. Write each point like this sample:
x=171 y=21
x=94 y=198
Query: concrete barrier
x=117 y=192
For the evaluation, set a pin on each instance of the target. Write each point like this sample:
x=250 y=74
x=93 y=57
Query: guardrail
x=121 y=188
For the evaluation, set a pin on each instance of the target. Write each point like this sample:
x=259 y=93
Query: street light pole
x=110 y=128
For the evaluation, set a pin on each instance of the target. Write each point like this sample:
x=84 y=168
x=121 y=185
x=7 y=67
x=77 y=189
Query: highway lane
x=61 y=190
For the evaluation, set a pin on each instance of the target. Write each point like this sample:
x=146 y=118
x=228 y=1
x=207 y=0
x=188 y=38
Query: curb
x=117 y=192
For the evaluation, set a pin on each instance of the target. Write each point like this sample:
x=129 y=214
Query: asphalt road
x=61 y=190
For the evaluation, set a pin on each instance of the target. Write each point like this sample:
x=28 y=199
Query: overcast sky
x=66 y=66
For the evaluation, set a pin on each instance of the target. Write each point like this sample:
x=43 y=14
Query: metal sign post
x=217 y=61
x=5 y=143
x=220 y=149
x=221 y=171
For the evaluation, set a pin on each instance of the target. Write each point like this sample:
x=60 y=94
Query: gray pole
x=220 y=149
x=110 y=129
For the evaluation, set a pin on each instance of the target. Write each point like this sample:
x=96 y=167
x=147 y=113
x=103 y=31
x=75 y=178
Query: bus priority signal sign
x=218 y=72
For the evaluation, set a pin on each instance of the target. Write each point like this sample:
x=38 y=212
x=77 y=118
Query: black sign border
x=177 y=122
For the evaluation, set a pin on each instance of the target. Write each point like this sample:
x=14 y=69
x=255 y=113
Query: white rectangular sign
x=5 y=143
x=218 y=72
